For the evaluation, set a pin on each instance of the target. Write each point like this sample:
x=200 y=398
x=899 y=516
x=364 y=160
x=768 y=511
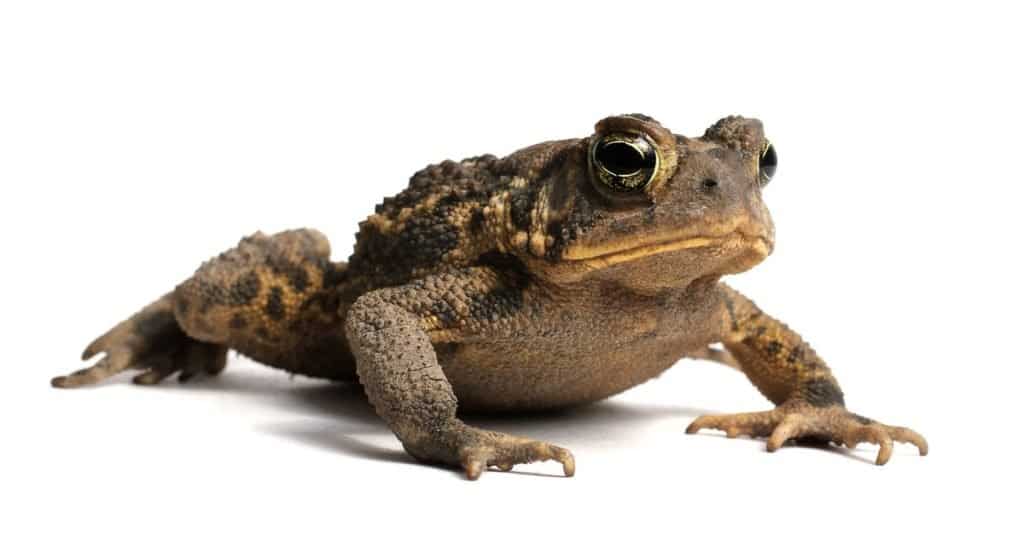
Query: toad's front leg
x=787 y=371
x=389 y=330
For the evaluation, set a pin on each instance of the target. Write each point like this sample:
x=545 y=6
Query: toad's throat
x=617 y=253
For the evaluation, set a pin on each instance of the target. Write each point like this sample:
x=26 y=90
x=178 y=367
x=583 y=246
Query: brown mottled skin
x=559 y=275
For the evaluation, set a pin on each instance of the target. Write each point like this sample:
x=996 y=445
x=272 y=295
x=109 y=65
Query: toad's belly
x=506 y=375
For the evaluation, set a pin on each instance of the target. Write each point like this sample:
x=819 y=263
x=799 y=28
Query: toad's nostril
x=709 y=183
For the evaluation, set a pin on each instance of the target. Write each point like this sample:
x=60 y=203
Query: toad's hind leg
x=275 y=300
x=272 y=298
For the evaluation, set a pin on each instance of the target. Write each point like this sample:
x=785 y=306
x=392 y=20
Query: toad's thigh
x=272 y=298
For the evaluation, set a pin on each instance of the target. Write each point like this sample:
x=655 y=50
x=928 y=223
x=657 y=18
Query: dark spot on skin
x=500 y=261
x=182 y=305
x=332 y=275
x=555 y=230
x=150 y=325
x=275 y=304
x=476 y=222
x=237 y=322
x=497 y=303
x=563 y=235
x=210 y=294
x=160 y=329
x=731 y=309
x=297 y=276
x=558 y=194
x=554 y=167
x=299 y=279
x=582 y=218
x=423 y=241
x=243 y=290
x=504 y=299
x=325 y=302
x=822 y=392
x=773 y=348
x=521 y=202
x=443 y=311
x=795 y=355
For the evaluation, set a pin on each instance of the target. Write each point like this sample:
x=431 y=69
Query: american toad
x=558 y=275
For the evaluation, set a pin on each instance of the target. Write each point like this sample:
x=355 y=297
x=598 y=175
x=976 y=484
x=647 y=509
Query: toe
x=565 y=457
x=85 y=376
x=873 y=434
x=902 y=434
x=95 y=347
x=789 y=428
x=696 y=425
x=153 y=375
x=506 y=456
x=474 y=467
x=192 y=363
x=702 y=422
x=117 y=360
x=753 y=424
x=884 y=446
x=62 y=381
x=217 y=362
x=549 y=452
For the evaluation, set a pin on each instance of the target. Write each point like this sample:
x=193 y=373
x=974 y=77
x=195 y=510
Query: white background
x=137 y=140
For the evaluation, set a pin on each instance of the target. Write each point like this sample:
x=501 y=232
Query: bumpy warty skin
x=558 y=275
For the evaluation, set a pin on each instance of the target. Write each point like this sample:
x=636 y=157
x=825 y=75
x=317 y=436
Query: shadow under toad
x=338 y=418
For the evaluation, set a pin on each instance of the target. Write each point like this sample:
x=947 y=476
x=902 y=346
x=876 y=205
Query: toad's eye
x=624 y=162
x=767 y=164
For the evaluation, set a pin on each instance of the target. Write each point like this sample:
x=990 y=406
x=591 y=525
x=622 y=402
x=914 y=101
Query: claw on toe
x=800 y=420
x=505 y=452
x=115 y=361
x=474 y=468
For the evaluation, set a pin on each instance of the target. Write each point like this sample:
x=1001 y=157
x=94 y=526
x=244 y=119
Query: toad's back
x=437 y=222
x=450 y=215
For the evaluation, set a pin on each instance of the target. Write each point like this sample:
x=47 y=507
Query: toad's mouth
x=610 y=254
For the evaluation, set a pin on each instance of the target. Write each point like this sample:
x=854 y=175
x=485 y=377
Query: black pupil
x=620 y=158
x=769 y=161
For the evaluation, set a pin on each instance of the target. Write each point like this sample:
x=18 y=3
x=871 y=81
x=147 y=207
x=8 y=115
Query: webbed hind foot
x=152 y=341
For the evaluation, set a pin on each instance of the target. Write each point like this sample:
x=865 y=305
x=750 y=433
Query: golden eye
x=767 y=164
x=624 y=162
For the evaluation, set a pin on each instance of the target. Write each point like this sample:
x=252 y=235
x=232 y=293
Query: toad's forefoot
x=799 y=420
x=480 y=449
x=475 y=450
